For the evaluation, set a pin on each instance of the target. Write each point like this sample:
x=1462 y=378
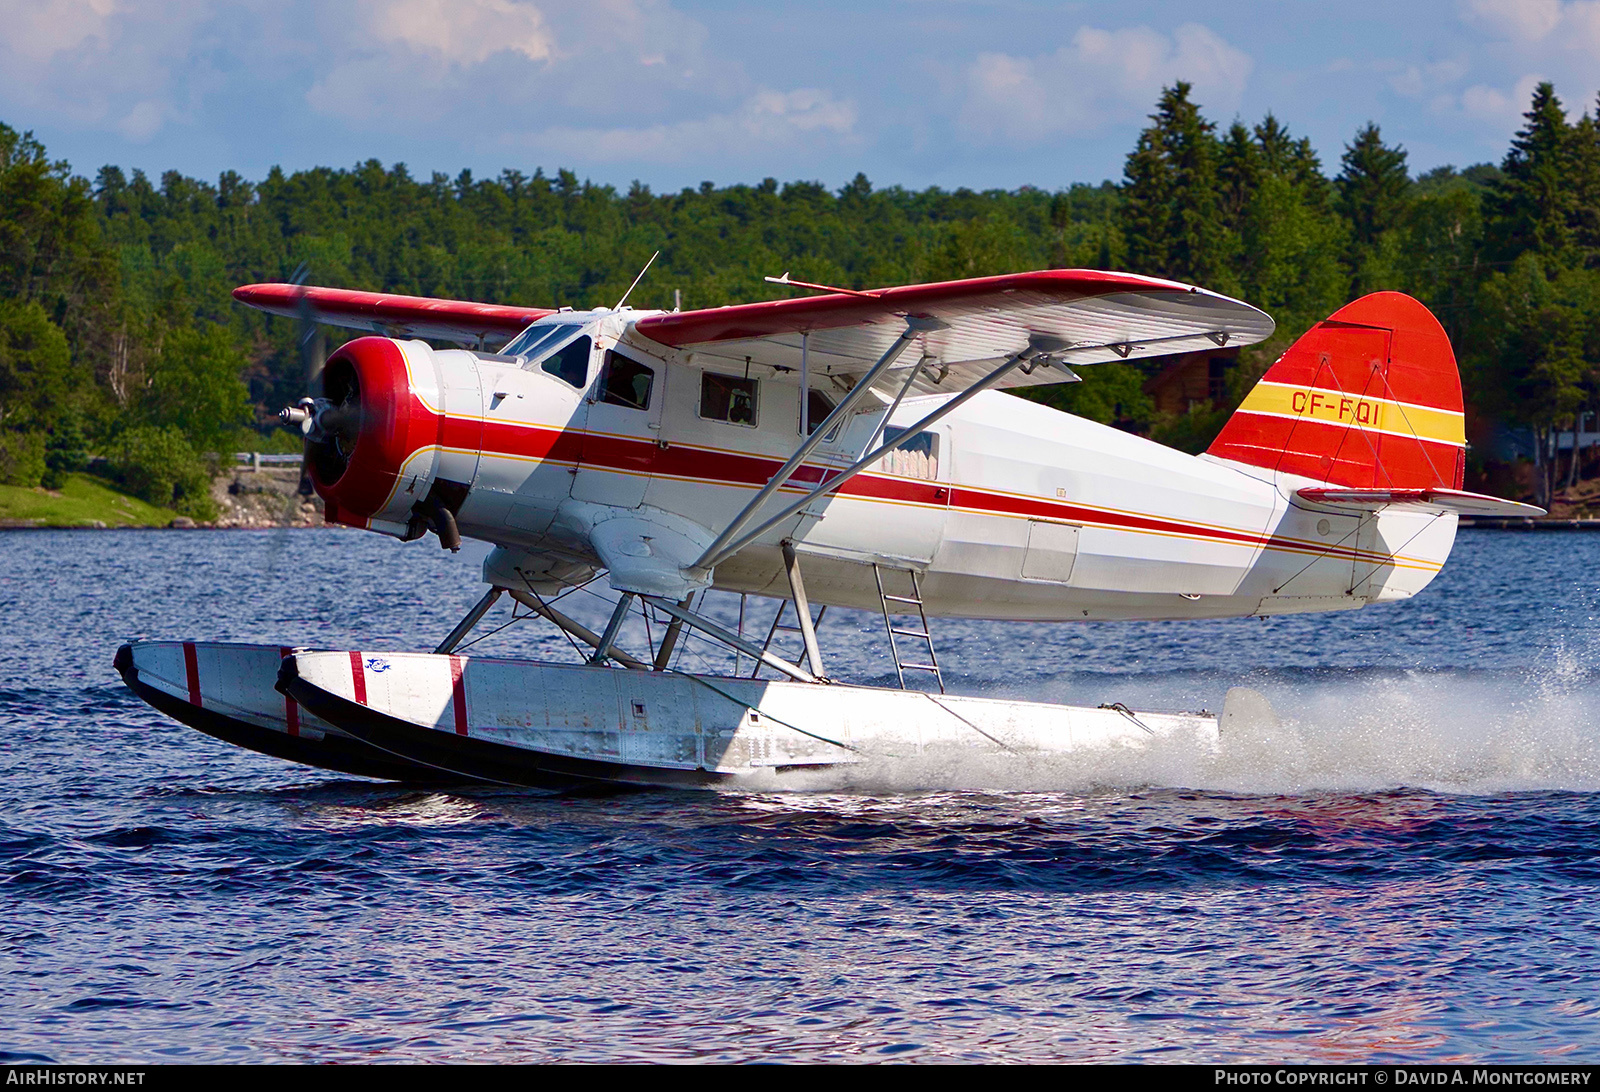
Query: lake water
x=1406 y=871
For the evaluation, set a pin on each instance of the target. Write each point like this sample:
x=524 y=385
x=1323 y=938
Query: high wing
x=393 y=316
x=1095 y=317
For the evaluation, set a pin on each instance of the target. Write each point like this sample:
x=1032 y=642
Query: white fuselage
x=1012 y=511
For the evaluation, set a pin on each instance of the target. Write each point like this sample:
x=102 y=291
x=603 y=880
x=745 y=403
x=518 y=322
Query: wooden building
x=1192 y=380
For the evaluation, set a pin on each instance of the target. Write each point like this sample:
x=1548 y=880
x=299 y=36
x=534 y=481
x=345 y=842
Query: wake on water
x=1329 y=731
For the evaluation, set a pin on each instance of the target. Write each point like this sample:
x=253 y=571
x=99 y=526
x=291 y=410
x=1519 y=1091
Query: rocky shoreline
x=258 y=499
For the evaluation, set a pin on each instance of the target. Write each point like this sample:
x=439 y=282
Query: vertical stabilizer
x=1370 y=397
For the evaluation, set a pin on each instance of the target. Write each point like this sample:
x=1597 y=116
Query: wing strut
x=715 y=555
x=914 y=327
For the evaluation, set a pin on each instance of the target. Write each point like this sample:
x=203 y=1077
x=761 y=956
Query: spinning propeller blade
x=313 y=348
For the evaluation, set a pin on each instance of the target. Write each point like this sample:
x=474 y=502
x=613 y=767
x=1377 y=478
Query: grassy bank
x=83 y=502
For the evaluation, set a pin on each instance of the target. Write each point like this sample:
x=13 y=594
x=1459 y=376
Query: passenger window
x=918 y=458
x=570 y=363
x=818 y=406
x=625 y=382
x=728 y=398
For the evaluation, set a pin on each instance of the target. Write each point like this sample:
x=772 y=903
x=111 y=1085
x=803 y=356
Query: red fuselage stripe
x=622 y=454
x=733 y=469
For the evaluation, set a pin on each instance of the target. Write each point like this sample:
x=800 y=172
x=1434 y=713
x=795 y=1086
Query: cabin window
x=570 y=363
x=818 y=406
x=917 y=458
x=625 y=382
x=534 y=338
x=728 y=398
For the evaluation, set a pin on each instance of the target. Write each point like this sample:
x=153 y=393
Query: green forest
x=122 y=352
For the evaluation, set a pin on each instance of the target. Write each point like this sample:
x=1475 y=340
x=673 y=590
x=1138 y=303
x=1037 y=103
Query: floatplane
x=842 y=449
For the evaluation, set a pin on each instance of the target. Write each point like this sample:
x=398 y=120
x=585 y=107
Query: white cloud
x=634 y=78
x=766 y=122
x=508 y=67
x=1499 y=108
x=143 y=121
x=603 y=81
x=38 y=31
x=125 y=65
x=1102 y=78
x=1560 y=38
x=461 y=31
x=1527 y=20
x=1416 y=80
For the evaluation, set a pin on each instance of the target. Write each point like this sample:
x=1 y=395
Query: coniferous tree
x=1172 y=218
x=1534 y=205
x=1373 y=194
x=1238 y=174
x=1372 y=185
x=1586 y=187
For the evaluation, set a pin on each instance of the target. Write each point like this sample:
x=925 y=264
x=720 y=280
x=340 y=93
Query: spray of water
x=1361 y=731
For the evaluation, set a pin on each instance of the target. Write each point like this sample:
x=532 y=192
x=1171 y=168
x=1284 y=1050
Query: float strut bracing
x=464 y=627
x=575 y=628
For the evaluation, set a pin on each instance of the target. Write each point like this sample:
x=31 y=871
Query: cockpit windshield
x=536 y=340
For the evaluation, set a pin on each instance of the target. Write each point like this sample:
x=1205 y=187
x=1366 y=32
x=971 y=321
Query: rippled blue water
x=1407 y=871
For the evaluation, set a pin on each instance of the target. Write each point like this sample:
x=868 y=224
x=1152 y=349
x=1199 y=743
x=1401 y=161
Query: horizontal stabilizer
x=1452 y=500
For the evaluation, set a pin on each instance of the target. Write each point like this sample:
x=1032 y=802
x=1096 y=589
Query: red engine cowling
x=383 y=454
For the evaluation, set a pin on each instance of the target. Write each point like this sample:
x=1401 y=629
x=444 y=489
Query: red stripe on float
x=291 y=708
x=358 y=675
x=458 y=695
x=191 y=669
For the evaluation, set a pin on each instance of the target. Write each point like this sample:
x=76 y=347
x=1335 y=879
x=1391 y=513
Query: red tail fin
x=1369 y=397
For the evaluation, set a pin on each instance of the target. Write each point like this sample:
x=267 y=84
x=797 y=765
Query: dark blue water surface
x=1406 y=871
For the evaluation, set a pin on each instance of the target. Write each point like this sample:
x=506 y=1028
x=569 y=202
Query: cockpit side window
x=534 y=338
x=625 y=382
x=570 y=363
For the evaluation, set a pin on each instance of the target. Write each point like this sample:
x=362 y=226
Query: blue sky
x=913 y=92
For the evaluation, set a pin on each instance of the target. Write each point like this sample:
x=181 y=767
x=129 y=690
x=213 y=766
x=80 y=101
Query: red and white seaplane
x=849 y=449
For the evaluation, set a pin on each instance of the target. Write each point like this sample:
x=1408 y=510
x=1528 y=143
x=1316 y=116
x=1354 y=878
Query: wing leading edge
x=391 y=315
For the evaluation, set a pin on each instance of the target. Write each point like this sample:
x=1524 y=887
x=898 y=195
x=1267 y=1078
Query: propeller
x=313 y=348
x=329 y=415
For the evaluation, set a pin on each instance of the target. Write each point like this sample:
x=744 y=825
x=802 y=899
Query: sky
x=978 y=93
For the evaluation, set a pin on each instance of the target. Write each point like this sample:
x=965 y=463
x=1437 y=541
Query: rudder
x=1370 y=397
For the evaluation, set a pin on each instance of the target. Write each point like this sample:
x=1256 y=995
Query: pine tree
x=1290 y=240
x=1372 y=186
x=1533 y=206
x=1171 y=216
x=1586 y=187
x=1238 y=174
x=1373 y=194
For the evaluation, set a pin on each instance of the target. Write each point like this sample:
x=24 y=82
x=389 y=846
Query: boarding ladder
x=901 y=666
x=779 y=627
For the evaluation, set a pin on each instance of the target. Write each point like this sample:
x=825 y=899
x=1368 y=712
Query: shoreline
x=1500 y=523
